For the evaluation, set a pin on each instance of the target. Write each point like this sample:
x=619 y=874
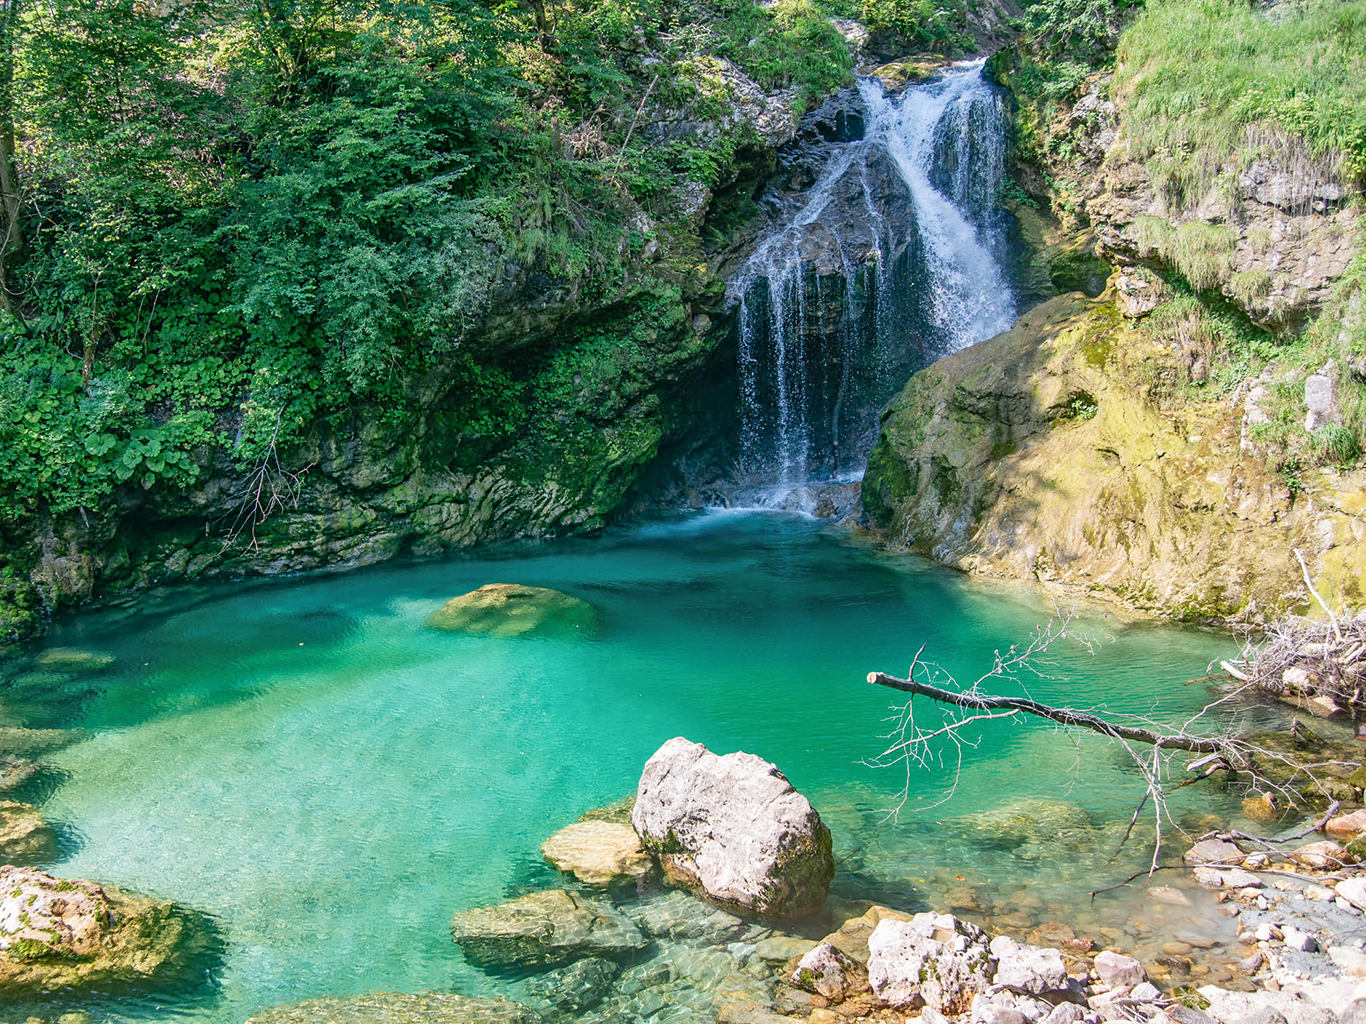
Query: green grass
x=1197 y=78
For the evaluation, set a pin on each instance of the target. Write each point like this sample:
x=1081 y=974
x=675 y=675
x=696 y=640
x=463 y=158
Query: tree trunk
x=11 y=235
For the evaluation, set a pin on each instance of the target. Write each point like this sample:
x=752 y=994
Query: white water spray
x=918 y=280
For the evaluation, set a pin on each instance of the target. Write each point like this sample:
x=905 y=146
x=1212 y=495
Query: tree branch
x=1063 y=716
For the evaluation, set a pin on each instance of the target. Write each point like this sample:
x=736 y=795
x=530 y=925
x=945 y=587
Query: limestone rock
x=1347 y=826
x=1321 y=398
x=934 y=959
x=1212 y=851
x=1139 y=292
x=510 y=609
x=399 y=1008
x=1353 y=890
x=597 y=852
x=1324 y=855
x=830 y=973
x=1038 y=455
x=545 y=929
x=59 y=934
x=734 y=829
x=24 y=835
x=1118 y=969
x=1033 y=969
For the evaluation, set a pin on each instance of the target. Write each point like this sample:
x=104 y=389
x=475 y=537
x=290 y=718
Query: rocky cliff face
x=1040 y=454
x=1096 y=447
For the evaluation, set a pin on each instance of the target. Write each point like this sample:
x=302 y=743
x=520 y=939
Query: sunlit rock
x=733 y=829
x=598 y=852
x=510 y=609
x=58 y=934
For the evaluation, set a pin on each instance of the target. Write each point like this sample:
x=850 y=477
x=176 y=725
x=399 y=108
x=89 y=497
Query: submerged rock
x=14 y=772
x=400 y=1008
x=24 y=835
x=58 y=933
x=733 y=829
x=73 y=660
x=580 y=986
x=598 y=852
x=20 y=743
x=510 y=609
x=1029 y=820
x=545 y=929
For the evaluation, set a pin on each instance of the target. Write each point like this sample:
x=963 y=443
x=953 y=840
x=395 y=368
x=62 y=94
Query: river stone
x=399 y=1008
x=545 y=929
x=830 y=973
x=934 y=959
x=1212 y=851
x=597 y=852
x=733 y=829
x=18 y=742
x=1324 y=855
x=1347 y=826
x=24 y=834
x=1033 y=969
x=1115 y=969
x=58 y=933
x=1353 y=890
x=510 y=609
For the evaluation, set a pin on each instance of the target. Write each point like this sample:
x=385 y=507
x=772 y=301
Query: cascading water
x=891 y=258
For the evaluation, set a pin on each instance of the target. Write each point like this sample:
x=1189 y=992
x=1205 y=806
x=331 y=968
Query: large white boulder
x=733 y=829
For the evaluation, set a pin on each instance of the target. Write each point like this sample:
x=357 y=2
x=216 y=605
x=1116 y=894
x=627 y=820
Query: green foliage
x=254 y=219
x=1199 y=77
x=934 y=25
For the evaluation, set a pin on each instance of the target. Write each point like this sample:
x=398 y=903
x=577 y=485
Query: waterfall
x=890 y=259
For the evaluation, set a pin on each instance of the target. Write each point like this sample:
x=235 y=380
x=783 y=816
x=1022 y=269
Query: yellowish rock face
x=597 y=852
x=511 y=609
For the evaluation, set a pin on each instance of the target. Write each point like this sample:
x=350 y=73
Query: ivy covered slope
x=1174 y=431
x=293 y=283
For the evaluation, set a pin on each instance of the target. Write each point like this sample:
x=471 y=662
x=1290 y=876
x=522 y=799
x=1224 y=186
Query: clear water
x=330 y=779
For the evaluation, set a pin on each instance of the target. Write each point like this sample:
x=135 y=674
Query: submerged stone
x=18 y=742
x=511 y=609
x=58 y=934
x=598 y=852
x=14 y=772
x=400 y=1008
x=545 y=929
x=24 y=835
x=580 y=986
x=1029 y=820
x=72 y=660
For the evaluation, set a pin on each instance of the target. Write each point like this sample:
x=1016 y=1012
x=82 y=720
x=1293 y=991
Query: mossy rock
x=511 y=609
x=63 y=937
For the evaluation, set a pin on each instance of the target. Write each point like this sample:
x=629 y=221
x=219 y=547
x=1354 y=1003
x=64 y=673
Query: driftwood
x=1304 y=660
